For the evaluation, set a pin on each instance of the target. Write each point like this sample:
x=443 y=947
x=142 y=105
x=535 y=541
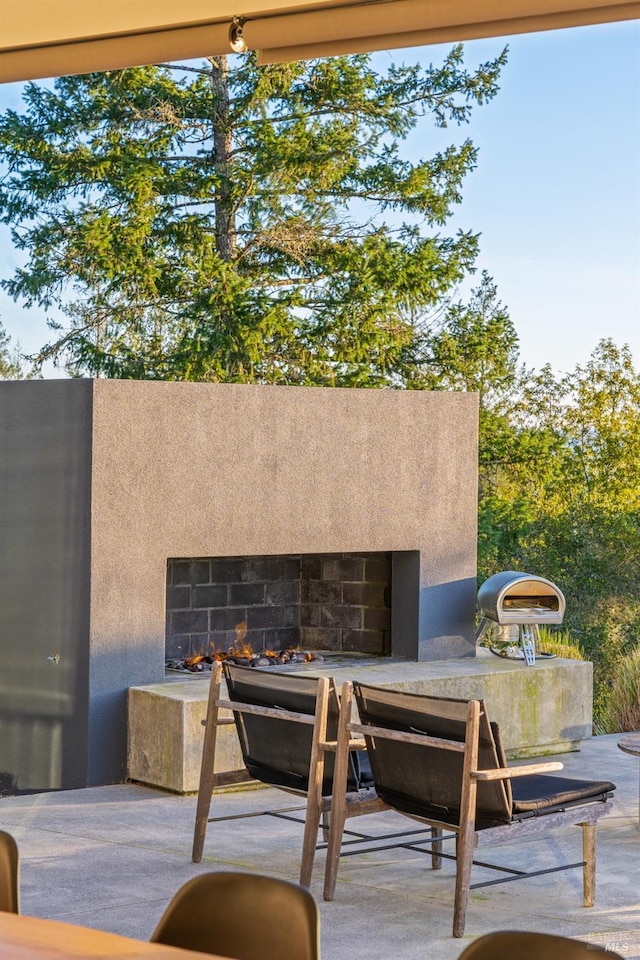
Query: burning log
x=244 y=656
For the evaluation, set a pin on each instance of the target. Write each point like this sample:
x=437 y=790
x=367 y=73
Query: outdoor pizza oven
x=518 y=604
x=511 y=597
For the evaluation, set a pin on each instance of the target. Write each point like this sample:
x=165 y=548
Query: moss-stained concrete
x=166 y=734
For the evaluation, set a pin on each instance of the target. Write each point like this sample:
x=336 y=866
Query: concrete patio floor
x=112 y=857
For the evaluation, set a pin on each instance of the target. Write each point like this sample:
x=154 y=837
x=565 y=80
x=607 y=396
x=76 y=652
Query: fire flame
x=191 y=661
x=239 y=648
x=242 y=650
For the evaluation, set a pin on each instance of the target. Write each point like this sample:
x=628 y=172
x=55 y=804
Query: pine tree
x=10 y=359
x=225 y=222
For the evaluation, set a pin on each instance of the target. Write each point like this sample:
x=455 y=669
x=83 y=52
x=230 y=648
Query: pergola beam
x=43 y=38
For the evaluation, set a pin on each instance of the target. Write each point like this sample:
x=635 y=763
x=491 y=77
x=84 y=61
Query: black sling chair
x=287 y=726
x=441 y=762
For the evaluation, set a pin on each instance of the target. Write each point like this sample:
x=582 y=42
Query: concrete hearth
x=541 y=710
x=103 y=482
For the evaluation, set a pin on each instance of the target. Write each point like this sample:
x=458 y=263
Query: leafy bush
x=621 y=710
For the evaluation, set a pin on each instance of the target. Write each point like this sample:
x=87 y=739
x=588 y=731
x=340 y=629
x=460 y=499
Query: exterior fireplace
x=103 y=482
x=331 y=602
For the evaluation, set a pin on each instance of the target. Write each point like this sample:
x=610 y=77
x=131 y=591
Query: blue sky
x=556 y=193
x=555 y=196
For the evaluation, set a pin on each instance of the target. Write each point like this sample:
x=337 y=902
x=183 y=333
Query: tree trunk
x=225 y=221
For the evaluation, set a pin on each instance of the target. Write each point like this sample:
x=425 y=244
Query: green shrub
x=561 y=643
x=621 y=707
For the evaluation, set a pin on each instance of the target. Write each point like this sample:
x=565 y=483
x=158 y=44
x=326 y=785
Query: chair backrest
x=277 y=750
x=426 y=779
x=241 y=915
x=532 y=946
x=9 y=881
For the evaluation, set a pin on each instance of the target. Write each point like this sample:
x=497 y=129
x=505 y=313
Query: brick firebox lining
x=339 y=602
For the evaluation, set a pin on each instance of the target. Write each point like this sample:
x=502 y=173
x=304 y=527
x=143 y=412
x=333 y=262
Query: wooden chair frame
x=318 y=807
x=468 y=838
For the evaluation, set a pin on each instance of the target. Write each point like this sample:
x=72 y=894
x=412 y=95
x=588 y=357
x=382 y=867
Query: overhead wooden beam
x=43 y=38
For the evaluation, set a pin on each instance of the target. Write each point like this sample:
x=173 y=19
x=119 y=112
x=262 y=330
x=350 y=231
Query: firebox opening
x=334 y=602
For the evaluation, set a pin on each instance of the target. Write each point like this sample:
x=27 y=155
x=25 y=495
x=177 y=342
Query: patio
x=111 y=858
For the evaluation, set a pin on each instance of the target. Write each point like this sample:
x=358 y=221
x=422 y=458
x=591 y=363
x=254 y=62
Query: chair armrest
x=506 y=773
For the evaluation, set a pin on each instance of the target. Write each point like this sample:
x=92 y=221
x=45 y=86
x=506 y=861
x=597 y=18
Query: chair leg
x=464 y=863
x=339 y=795
x=311 y=826
x=315 y=804
x=466 y=836
x=589 y=857
x=436 y=848
x=324 y=823
x=205 y=789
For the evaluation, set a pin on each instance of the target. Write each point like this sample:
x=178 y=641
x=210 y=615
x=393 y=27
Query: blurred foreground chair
x=9 y=882
x=533 y=946
x=287 y=726
x=242 y=915
x=441 y=762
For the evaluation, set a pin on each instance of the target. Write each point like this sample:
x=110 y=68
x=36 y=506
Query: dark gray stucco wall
x=45 y=484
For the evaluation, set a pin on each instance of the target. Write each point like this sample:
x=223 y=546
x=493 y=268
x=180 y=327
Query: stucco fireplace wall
x=102 y=481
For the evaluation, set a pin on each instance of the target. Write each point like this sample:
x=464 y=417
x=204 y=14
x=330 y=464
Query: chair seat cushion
x=547 y=793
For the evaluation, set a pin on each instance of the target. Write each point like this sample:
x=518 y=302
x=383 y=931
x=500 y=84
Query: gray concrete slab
x=111 y=857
